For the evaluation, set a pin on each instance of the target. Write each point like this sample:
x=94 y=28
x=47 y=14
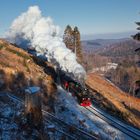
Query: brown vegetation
x=114 y=100
x=94 y=60
x=125 y=75
x=18 y=70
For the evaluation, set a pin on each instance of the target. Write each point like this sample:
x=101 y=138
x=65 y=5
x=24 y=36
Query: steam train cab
x=83 y=98
x=81 y=94
x=76 y=89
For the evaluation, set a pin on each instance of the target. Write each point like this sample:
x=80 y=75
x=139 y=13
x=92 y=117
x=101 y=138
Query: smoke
x=32 y=29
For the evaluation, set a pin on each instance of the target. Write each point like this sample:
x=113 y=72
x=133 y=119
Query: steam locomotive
x=71 y=85
x=67 y=81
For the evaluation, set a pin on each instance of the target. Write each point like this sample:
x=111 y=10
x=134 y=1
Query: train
x=75 y=88
x=67 y=81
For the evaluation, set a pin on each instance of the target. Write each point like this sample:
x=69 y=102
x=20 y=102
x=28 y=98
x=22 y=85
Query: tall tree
x=137 y=83
x=68 y=37
x=71 y=38
x=77 y=44
x=137 y=36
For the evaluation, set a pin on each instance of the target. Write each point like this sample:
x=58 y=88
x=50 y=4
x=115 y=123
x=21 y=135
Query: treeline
x=122 y=49
x=125 y=76
x=91 y=61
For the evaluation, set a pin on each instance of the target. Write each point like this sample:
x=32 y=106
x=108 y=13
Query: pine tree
x=137 y=37
x=77 y=44
x=72 y=40
x=68 y=37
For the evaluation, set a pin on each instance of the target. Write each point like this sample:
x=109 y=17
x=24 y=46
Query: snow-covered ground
x=106 y=68
x=68 y=109
x=13 y=124
x=8 y=111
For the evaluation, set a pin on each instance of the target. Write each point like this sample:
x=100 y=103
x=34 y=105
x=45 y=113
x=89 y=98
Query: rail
x=77 y=131
x=133 y=133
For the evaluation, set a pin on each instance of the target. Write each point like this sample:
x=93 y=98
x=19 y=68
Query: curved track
x=131 y=132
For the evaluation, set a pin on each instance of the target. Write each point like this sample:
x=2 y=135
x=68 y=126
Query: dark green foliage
x=1 y=46
x=137 y=36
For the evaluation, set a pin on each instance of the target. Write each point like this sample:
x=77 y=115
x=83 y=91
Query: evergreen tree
x=137 y=37
x=68 y=37
x=77 y=44
x=72 y=40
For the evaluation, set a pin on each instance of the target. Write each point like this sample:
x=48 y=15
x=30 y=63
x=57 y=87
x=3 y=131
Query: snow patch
x=68 y=109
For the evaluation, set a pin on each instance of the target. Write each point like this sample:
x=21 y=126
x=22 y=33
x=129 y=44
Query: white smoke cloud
x=32 y=29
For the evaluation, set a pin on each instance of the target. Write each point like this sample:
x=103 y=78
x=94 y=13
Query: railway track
x=76 y=134
x=135 y=134
x=128 y=130
x=60 y=130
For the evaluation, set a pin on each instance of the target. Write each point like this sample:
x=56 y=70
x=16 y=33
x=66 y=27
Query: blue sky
x=91 y=16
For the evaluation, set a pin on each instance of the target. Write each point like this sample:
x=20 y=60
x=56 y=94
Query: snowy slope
x=68 y=109
x=13 y=123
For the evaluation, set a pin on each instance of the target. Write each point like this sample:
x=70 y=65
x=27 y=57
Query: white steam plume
x=32 y=29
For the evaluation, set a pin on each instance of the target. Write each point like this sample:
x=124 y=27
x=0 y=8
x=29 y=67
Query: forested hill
x=111 y=47
x=120 y=49
x=94 y=45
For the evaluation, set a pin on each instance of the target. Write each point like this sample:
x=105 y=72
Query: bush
x=1 y=46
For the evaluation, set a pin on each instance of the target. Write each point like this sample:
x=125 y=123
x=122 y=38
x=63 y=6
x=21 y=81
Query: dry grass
x=116 y=101
x=18 y=70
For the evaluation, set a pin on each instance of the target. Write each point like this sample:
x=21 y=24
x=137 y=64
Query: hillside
x=116 y=49
x=99 y=44
x=18 y=70
x=119 y=49
x=122 y=52
x=114 y=100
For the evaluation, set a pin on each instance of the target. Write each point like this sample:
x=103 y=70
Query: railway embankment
x=113 y=100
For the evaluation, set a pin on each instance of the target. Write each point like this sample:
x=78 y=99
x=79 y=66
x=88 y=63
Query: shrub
x=1 y=46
